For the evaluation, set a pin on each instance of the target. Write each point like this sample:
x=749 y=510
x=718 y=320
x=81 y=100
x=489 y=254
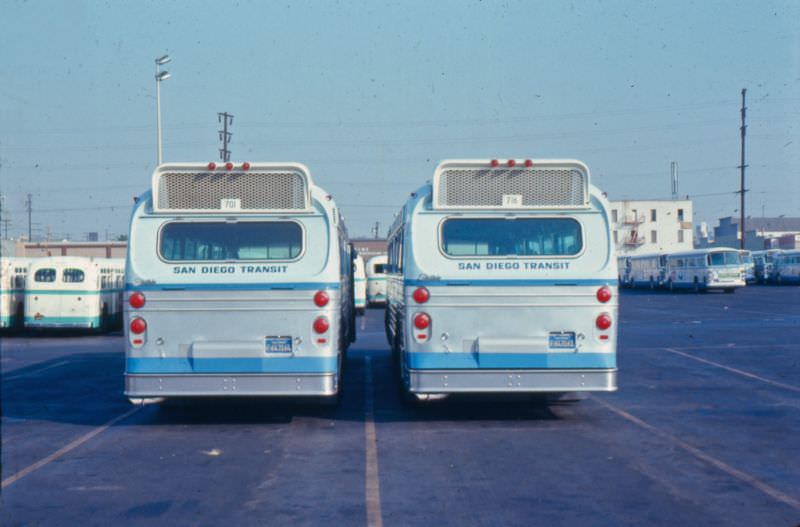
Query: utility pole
x=29 y=206
x=224 y=135
x=376 y=230
x=742 y=166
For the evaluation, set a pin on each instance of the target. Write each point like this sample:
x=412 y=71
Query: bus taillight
x=245 y=166
x=422 y=321
x=421 y=295
x=603 y=321
x=138 y=326
x=136 y=300
x=321 y=299
x=321 y=325
x=212 y=166
x=604 y=294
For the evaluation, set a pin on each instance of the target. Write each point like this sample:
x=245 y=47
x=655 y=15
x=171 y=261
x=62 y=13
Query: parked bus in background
x=503 y=278
x=360 y=285
x=376 y=280
x=12 y=292
x=786 y=268
x=763 y=264
x=73 y=292
x=748 y=266
x=624 y=270
x=239 y=283
x=647 y=270
x=705 y=269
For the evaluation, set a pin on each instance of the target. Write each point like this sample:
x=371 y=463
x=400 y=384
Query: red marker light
x=604 y=294
x=421 y=295
x=321 y=299
x=245 y=166
x=321 y=325
x=495 y=162
x=228 y=166
x=138 y=326
x=528 y=163
x=512 y=163
x=422 y=321
x=136 y=300
x=603 y=321
x=212 y=166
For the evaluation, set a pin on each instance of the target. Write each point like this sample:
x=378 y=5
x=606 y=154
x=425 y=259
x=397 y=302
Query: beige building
x=27 y=249
x=651 y=226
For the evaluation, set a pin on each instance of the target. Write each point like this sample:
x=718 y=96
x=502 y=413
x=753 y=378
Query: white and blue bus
x=704 y=270
x=12 y=292
x=239 y=283
x=502 y=277
x=786 y=267
x=748 y=266
x=646 y=270
x=74 y=292
x=359 y=284
x=376 y=280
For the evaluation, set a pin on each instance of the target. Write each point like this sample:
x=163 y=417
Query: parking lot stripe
x=721 y=465
x=67 y=448
x=12 y=377
x=734 y=370
x=372 y=483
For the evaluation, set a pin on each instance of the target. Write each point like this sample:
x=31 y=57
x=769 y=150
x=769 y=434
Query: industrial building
x=650 y=226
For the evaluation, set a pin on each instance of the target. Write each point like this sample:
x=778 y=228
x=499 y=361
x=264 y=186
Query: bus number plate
x=562 y=341
x=278 y=344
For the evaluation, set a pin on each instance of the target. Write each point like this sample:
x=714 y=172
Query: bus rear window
x=45 y=275
x=511 y=237
x=73 y=276
x=217 y=241
x=723 y=259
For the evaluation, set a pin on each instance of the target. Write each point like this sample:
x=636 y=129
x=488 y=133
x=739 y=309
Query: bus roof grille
x=545 y=185
x=185 y=188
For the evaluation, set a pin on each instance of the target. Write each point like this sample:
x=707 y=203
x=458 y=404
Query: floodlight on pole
x=160 y=76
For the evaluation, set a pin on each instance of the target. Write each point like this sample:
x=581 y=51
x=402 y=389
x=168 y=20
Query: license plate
x=278 y=344
x=562 y=341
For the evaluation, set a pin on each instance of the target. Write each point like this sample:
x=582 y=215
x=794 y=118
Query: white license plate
x=278 y=344
x=562 y=341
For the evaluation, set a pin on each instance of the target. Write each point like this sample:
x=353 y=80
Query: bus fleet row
x=241 y=280
x=61 y=293
x=709 y=269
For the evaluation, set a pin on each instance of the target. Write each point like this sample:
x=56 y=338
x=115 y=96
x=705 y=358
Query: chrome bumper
x=273 y=384
x=510 y=381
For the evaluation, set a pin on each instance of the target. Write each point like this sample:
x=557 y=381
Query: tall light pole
x=160 y=76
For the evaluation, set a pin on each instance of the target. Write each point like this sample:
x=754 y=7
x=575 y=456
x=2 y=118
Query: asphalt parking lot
x=703 y=431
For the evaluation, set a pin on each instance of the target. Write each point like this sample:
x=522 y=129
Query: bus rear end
x=234 y=285
x=511 y=283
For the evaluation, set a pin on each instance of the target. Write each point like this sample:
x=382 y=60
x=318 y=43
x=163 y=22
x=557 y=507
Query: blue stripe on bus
x=63 y=321
x=508 y=283
x=231 y=365
x=260 y=286
x=463 y=361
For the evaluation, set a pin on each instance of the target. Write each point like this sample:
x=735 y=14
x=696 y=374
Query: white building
x=651 y=226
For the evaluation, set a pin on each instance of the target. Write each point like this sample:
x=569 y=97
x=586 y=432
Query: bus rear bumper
x=511 y=381
x=215 y=384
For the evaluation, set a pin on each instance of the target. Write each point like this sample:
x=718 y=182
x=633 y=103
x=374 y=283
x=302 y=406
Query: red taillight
x=228 y=166
x=212 y=166
x=421 y=295
x=512 y=163
x=321 y=325
x=138 y=326
x=321 y=299
x=603 y=321
x=495 y=162
x=604 y=294
x=528 y=163
x=245 y=166
x=136 y=300
x=422 y=321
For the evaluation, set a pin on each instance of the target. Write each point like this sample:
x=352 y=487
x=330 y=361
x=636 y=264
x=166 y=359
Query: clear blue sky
x=372 y=95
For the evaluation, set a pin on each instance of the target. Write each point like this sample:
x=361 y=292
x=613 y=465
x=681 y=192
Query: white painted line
x=363 y=322
x=67 y=448
x=372 y=482
x=12 y=377
x=769 y=490
x=735 y=370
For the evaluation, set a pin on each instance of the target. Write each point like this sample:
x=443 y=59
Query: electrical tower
x=224 y=135
x=742 y=166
